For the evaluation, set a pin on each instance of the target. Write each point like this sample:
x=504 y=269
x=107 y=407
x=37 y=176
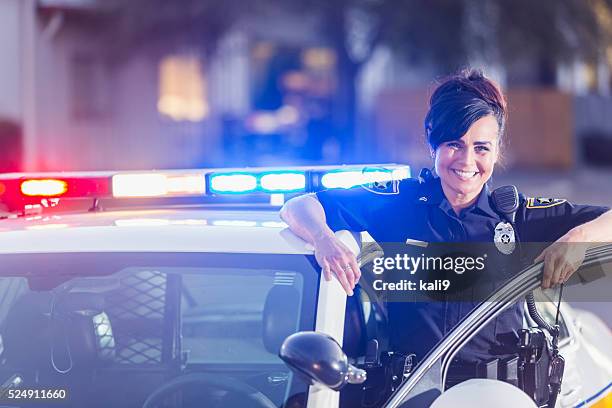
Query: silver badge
x=504 y=238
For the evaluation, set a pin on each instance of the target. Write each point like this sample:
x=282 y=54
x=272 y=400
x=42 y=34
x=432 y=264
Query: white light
x=283 y=181
x=352 y=178
x=233 y=183
x=186 y=184
x=139 y=185
x=342 y=179
x=158 y=185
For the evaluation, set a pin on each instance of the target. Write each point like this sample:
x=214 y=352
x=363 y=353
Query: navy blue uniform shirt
x=420 y=211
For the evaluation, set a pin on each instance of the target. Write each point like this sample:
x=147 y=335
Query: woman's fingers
x=351 y=269
x=560 y=261
x=341 y=275
x=355 y=269
x=347 y=269
x=560 y=266
x=549 y=268
x=334 y=258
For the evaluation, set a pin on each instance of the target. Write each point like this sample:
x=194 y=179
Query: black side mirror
x=317 y=357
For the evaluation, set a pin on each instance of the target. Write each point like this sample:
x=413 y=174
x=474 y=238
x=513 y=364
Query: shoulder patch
x=382 y=187
x=541 y=202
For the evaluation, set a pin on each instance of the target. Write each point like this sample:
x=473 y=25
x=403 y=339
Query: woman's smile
x=465 y=174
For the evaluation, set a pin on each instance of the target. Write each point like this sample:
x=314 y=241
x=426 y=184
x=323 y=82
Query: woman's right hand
x=335 y=257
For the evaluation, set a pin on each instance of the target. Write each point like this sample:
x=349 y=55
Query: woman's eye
x=482 y=149
x=453 y=145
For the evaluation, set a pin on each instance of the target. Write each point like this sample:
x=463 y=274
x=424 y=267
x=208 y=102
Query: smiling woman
x=465 y=129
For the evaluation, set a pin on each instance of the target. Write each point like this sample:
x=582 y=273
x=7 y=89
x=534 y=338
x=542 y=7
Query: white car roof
x=161 y=230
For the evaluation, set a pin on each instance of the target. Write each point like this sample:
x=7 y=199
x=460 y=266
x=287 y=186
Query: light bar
x=44 y=188
x=29 y=191
x=158 y=185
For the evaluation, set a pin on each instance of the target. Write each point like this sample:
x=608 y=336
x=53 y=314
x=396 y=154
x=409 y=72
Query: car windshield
x=113 y=328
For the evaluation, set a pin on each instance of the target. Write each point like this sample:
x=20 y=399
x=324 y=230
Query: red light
x=44 y=188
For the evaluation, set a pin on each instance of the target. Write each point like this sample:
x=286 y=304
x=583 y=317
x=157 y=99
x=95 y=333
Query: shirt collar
x=435 y=196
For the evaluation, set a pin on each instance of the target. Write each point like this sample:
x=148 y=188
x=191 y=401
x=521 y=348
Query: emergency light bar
x=24 y=188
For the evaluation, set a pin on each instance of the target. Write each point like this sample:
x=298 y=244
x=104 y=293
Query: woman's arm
x=566 y=255
x=306 y=218
x=595 y=231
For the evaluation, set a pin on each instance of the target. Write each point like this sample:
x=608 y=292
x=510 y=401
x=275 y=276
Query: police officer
x=464 y=129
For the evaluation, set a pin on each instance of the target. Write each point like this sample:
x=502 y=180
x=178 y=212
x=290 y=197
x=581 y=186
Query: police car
x=183 y=288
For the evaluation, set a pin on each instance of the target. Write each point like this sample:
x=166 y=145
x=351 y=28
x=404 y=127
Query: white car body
x=588 y=350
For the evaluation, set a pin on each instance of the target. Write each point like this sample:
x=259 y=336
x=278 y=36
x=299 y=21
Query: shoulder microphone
x=506 y=201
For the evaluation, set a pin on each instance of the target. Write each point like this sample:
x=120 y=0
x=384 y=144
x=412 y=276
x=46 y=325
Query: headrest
x=76 y=334
x=81 y=331
x=280 y=316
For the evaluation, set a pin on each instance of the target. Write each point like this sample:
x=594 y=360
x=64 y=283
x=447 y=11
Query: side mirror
x=318 y=358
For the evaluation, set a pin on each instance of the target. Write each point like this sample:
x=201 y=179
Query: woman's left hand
x=561 y=259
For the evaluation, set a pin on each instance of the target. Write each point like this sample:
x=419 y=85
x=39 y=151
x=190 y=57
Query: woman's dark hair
x=458 y=102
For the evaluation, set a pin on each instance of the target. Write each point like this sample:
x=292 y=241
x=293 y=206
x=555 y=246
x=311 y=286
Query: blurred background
x=143 y=84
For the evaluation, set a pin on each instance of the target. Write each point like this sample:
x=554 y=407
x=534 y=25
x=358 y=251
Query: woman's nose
x=467 y=157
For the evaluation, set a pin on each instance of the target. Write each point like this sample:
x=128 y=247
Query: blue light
x=283 y=182
x=280 y=181
x=233 y=183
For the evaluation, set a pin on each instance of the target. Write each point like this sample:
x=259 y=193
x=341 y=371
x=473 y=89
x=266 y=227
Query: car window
x=547 y=308
x=159 y=316
x=225 y=316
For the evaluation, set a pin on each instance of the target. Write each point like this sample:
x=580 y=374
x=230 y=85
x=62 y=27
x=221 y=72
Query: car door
x=427 y=382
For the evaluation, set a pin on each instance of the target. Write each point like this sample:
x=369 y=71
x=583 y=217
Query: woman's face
x=465 y=165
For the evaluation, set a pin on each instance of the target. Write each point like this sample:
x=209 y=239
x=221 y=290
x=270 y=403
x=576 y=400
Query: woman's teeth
x=465 y=174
